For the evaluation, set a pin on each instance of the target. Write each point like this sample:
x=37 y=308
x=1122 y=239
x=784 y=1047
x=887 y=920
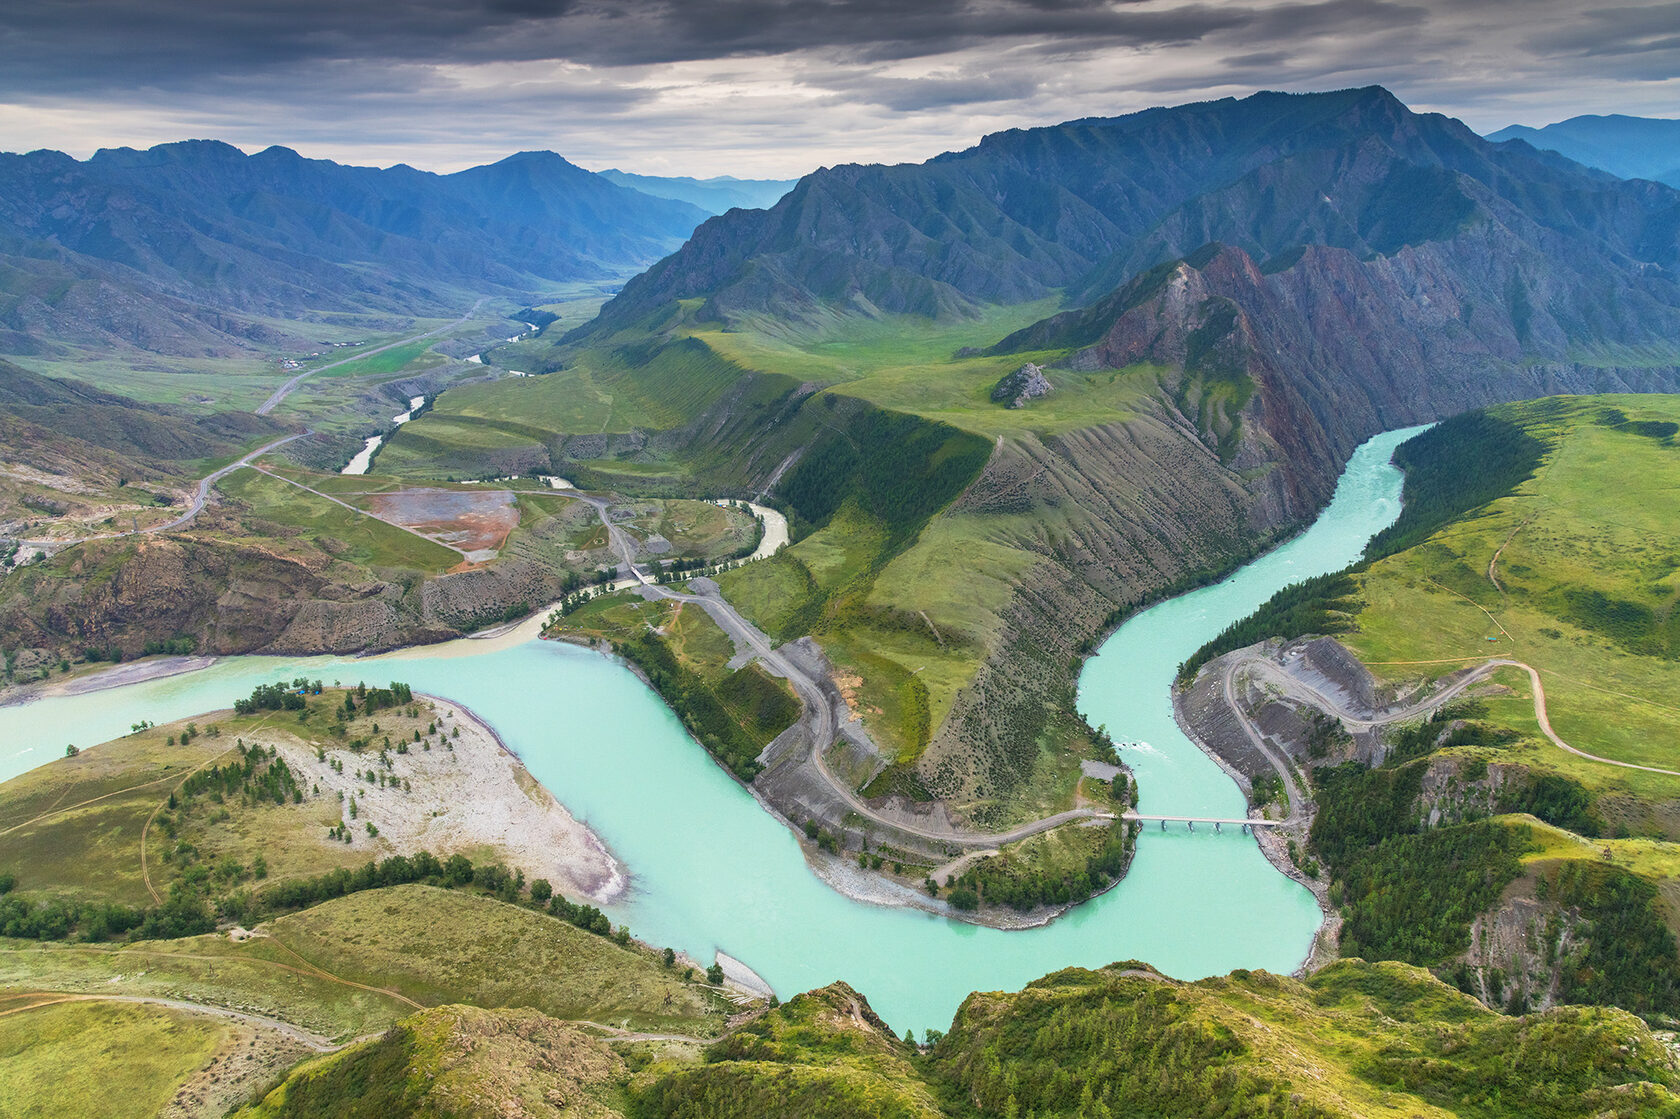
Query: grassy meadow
x=348 y=968
x=98 y=1059
x=1588 y=580
x=440 y=946
x=361 y=540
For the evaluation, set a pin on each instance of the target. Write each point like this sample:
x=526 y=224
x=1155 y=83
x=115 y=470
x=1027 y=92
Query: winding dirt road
x=1275 y=675
x=39 y=999
x=194 y=509
x=1299 y=798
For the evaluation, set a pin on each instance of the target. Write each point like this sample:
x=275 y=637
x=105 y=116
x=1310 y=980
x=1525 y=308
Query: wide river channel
x=711 y=870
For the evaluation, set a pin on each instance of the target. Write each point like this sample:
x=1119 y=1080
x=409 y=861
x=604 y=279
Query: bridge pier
x=1192 y=824
x=1216 y=827
x=1163 y=825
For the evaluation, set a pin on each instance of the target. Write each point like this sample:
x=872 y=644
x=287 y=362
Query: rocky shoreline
x=1204 y=717
x=844 y=876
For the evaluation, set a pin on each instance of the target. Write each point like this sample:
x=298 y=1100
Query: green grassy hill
x=350 y=968
x=462 y=1062
x=1585 y=587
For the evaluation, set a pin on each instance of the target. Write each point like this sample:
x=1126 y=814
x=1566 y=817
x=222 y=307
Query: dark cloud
x=774 y=86
x=174 y=43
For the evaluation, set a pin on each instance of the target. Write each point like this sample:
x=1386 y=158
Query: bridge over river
x=1218 y=822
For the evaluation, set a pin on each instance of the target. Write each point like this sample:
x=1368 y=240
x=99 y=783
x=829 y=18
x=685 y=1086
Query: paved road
x=194 y=509
x=825 y=722
x=285 y=390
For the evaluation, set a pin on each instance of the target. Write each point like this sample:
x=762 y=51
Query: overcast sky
x=774 y=88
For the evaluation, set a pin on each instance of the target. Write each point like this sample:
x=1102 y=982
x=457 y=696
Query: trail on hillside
x=1289 y=684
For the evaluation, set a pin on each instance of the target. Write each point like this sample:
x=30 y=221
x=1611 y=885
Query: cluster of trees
x=1555 y=799
x=1317 y=605
x=1651 y=429
x=1632 y=625
x=1458 y=465
x=1004 y=881
x=178 y=646
x=735 y=737
x=374 y=700
x=188 y=911
x=170 y=646
x=900 y=467
x=278 y=697
x=1630 y=958
x=184 y=914
x=250 y=779
x=1408 y=891
x=455 y=872
x=1411 y=892
x=1413 y=897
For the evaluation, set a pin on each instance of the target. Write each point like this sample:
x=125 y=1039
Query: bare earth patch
x=473 y=521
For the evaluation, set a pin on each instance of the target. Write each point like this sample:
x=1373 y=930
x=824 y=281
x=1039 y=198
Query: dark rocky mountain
x=1334 y=348
x=183 y=247
x=1631 y=147
x=1084 y=206
x=715 y=195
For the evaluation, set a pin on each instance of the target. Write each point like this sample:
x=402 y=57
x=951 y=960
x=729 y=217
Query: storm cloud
x=772 y=87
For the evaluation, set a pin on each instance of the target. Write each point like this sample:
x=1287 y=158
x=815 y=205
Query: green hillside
x=1357 y=1040
x=1536 y=533
x=1584 y=589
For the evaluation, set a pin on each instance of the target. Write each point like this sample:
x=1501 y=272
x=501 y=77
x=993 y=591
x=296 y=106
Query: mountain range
x=196 y=248
x=716 y=195
x=1280 y=277
x=1631 y=147
x=1082 y=207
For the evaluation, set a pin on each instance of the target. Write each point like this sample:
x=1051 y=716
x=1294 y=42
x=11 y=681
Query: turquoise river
x=711 y=870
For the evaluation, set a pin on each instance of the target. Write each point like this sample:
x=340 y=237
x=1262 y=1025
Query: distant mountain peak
x=1626 y=146
x=175 y=151
x=184 y=247
x=1083 y=206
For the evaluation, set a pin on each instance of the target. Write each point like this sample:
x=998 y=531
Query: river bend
x=712 y=871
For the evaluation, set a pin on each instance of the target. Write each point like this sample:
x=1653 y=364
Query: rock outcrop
x=1026 y=383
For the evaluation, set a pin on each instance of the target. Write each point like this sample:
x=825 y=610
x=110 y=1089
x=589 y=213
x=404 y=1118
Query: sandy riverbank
x=462 y=792
x=117 y=675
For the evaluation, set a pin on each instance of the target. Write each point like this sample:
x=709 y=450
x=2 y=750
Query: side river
x=712 y=870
